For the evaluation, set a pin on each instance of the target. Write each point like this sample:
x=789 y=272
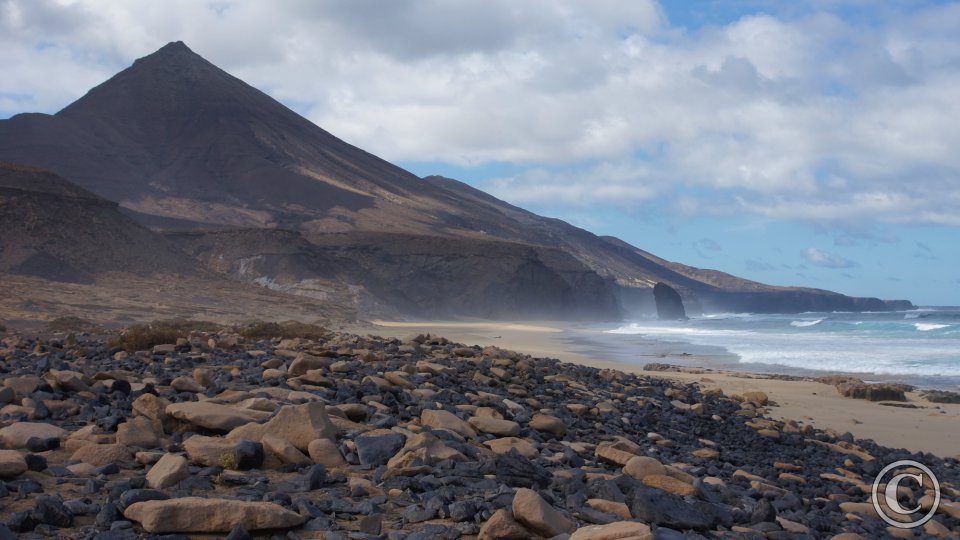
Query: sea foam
x=806 y=323
x=927 y=327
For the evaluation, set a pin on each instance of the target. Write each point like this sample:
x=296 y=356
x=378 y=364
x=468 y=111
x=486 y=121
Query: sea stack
x=669 y=303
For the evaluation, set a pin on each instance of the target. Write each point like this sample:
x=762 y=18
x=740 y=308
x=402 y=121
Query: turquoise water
x=920 y=347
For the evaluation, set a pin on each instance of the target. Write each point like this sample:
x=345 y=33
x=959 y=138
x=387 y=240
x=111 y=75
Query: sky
x=812 y=143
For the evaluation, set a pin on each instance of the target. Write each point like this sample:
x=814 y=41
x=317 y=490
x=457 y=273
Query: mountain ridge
x=182 y=146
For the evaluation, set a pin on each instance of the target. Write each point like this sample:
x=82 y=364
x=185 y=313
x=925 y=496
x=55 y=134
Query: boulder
x=141 y=432
x=424 y=448
x=305 y=362
x=873 y=392
x=531 y=510
x=214 y=451
x=376 y=447
x=17 y=435
x=612 y=455
x=669 y=484
x=502 y=526
x=283 y=450
x=185 y=383
x=69 y=381
x=298 y=424
x=760 y=398
x=168 y=471
x=325 y=452
x=618 y=509
x=99 y=455
x=548 y=424
x=638 y=467
x=12 y=463
x=503 y=445
x=669 y=303
x=196 y=514
x=214 y=416
x=495 y=426
x=621 y=530
x=446 y=420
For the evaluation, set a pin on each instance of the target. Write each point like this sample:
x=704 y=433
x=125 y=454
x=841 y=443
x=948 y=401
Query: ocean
x=919 y=347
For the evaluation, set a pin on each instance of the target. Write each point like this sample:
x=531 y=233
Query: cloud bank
x=802 y=114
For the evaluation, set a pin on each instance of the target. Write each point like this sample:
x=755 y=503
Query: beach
x=930 y=427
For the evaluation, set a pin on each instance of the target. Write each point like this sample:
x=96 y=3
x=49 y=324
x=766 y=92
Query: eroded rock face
x=195 y=514
x=669 y=303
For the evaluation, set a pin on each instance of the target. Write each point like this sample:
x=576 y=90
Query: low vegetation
x=68 y=323
x=286 y=330
x=140 y=337
x=229 y=461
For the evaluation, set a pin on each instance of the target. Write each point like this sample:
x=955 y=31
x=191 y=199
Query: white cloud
x=804 y=117
x=827 y=260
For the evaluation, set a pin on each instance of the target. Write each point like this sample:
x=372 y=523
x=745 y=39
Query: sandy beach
x=929 y=427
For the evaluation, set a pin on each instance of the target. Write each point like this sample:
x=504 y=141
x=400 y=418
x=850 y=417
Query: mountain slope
x=183 y=146
x=55 y=230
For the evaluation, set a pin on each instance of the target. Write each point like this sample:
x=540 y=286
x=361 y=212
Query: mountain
x=55 y=230
x=261 y=194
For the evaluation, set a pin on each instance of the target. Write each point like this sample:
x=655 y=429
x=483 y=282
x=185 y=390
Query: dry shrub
x=141 y=337
x=285 y=330
x=68 y=324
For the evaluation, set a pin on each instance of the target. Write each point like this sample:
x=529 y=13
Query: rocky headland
x=335 y=435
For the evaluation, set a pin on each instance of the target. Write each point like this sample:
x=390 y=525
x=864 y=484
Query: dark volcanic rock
x=669 y=303
x=51 y=511
x=515 y=470
x=661 y=508
x=377 y=448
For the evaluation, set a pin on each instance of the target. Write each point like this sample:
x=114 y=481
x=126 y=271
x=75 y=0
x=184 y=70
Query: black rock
x=116 y=534
x=22 y=522
x=239 y=533
x=669 y=303
x=139 y=495
x=36 y=444
x=315 y=477
x=25 y=486
x=763 y=511
x=376 y=450
x=249 y=455
x=517 y=471
x=463 y=511
x=79 y=507
x=416 y=513
x=108 y=469
x=51 y=511
x=6 y=533
x=35 y=462
x=108 y=514
x=658 y=507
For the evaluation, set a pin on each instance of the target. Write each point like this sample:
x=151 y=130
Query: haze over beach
x=479 y=270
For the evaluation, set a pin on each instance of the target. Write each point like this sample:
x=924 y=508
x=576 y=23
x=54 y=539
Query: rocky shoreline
x=343 y=436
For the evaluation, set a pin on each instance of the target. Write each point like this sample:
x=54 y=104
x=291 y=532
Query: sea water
x=919 y=347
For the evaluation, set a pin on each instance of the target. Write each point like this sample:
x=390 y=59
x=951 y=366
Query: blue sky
x=796 y=143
